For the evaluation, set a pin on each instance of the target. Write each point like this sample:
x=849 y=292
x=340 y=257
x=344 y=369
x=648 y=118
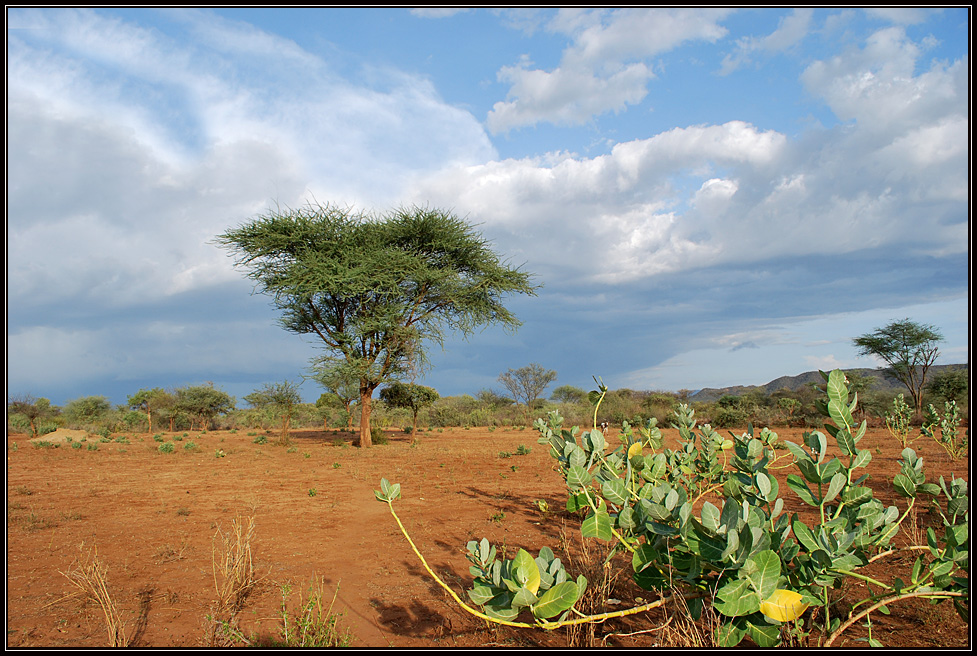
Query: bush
x=377 y=436
x=717 y=539
x=729 y=417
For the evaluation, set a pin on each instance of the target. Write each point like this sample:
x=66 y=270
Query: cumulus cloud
x=605 y=67
x=130 y=150
x=877 y=86
x=791 y=30
x=711 y=195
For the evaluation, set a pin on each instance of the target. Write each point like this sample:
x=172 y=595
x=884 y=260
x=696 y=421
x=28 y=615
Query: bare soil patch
x=153 y=517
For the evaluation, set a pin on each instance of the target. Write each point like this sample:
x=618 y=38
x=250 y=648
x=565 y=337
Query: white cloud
x=565 y=96
x=603 y=70
x=791 y=30
x=130 y=150
x=619 y=212
x=899 y=15
x=877 y=87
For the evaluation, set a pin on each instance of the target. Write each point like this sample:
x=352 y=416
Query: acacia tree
x=203 y=402
x=568 y=394
x=280 y=398
x=909 y=349
x=31 y=408
x=342 y=386
x=373 y=289
x=86 y=410
x=149 y=401
x=410 y=396
x=527 y=383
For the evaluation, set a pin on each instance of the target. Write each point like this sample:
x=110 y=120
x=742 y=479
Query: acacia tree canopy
x=373 y=289
x=908 y=348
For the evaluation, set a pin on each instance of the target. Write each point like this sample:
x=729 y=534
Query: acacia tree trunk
x=286 y=424
x=366 y=401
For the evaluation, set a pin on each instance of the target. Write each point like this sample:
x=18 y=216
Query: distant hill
x=882 y=383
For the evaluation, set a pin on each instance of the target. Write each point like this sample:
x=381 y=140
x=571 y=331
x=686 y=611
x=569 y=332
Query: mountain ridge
x=882 y=382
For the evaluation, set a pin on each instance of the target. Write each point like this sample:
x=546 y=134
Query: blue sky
x=709 y=196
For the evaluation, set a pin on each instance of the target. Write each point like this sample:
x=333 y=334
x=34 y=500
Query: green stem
x=867 y=579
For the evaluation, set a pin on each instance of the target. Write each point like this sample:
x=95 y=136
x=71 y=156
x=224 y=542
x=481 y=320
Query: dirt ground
x=153 y=518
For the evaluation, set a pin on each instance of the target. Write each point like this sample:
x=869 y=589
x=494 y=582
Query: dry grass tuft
x=234 y=579
x=588 y=557
x=89 y=575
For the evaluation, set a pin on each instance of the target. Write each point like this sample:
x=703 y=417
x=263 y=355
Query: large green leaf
x=482 y=594
x=801 y=489
x=577 y=477
x=710 y=516
x=557 y=599
x=762 y=631
x=737 y=598
x=597 y=525
x=838 y=481
x=615 y=491
x=804 y=535
x=763 y=571
x=730 y=634
x=525 y=571
x=904 y=486
x=523 y=598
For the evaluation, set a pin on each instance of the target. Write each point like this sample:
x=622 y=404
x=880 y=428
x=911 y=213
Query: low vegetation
x=704 y=526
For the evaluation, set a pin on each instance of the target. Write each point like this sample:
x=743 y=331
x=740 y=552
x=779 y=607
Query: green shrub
x=729 y=417
x=166 y=447
x=377 y=436
x=717 y=540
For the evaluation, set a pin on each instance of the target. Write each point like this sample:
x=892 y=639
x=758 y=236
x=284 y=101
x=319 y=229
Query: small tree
x=527 y=383
x=909 y=349
x=410 y=396
x=32 y=409
x=86 y=410
x=280 y=398
x=203 y=402
x=149 y=401
x=492 y=400
x=341 y=384
x=949 y=385
x=568 y=394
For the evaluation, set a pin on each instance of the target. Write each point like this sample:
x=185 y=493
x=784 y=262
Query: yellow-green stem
x=549 y=626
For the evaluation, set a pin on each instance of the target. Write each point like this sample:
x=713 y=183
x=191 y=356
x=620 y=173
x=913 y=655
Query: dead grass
x=88 y=574
x=234 y=580
x=588 y=557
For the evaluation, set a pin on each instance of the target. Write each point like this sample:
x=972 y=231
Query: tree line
x=415 y=407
